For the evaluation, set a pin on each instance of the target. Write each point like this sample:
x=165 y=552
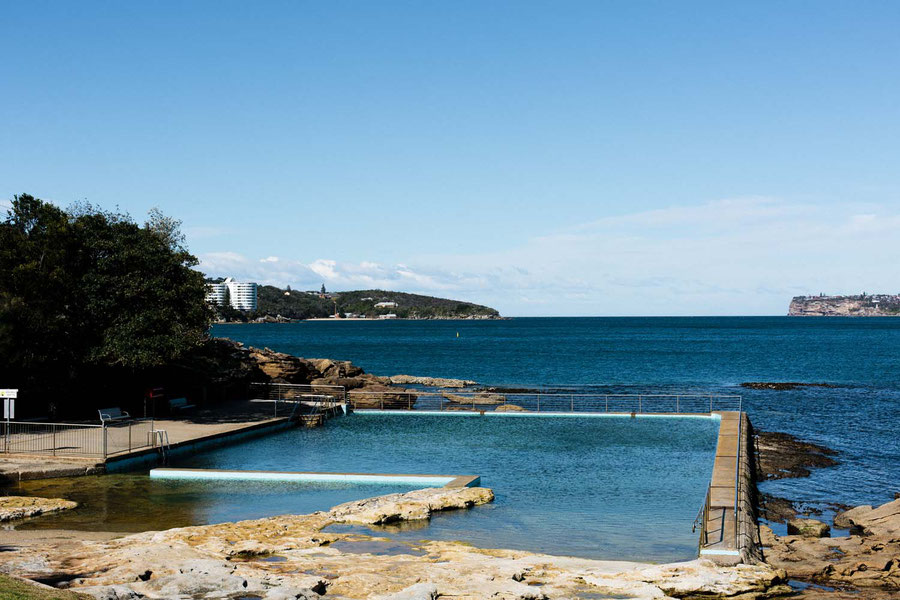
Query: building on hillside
x=385 y=304
x=388 y=316
x=241 y=296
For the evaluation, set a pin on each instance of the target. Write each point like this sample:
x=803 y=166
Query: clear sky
x=546 y=158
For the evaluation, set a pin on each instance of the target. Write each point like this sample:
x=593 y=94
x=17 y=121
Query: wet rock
x=783 y=456
x=808 y=528
x=22 y=507
x=782 y=385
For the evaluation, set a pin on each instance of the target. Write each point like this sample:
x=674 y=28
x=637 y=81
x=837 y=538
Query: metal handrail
x=584 y=402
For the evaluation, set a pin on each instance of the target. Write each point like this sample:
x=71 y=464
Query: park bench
x=112 y=414
x=176 y=404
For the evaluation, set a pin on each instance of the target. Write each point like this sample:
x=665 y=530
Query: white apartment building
x=385 y=304
x=242 y=295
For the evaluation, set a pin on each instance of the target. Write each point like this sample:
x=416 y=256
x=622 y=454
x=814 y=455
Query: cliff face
x=882 y=305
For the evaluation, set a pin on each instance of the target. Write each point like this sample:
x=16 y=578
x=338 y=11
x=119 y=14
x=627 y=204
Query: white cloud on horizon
x=734 y=256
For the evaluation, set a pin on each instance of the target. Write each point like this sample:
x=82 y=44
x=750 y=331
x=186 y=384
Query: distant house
x=385 y=304
x=388 y=316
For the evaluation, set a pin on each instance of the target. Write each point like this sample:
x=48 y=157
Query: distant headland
x=280 y=305
x=863 y=305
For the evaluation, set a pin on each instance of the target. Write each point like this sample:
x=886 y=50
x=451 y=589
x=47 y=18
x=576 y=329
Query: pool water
x=597 y=487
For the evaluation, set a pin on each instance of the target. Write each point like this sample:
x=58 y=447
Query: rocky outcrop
x=868 y=558
x=410 y=506
x=22 y=507
x=782 y=385
x=440 y=382
x=475 y=399
x=808 y=528
x=510 y=408
x=381 y=396
x=880 y=305
x=881 y=521
x=229 y=560
x=783 y=456
x=284 y=368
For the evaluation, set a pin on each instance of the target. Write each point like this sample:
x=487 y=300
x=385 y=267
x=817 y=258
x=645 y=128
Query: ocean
x=859 y=417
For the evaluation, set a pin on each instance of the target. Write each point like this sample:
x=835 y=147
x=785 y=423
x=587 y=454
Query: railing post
x=572 y=407
x=105 y=441
x=54 y=440
x=677 y=404
x=640 y=404
x=607 y=403
x=539 y=403
x=129 y=437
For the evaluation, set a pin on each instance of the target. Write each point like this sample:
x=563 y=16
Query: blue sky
x=546 y=158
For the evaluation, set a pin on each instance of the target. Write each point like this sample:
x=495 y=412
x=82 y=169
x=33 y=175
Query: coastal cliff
x=864 y=305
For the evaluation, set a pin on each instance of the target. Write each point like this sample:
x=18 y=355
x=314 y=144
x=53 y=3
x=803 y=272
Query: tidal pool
x=608 y=487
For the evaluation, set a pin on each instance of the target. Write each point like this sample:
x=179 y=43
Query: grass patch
x=12 y=588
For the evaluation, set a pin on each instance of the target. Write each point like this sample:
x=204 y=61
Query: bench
x=112 y=414
x=179 y=404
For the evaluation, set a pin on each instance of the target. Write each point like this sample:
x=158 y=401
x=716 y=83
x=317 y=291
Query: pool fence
x=76 y=439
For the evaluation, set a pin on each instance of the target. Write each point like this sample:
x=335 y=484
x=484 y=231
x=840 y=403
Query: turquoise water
x=594 y=487
x=860 y=356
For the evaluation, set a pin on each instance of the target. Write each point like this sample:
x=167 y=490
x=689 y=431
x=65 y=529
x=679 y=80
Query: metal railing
x=287 y=396
x=75 y=439
x=540 y=402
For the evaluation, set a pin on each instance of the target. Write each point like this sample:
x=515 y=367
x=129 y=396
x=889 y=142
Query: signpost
x=9 y=403
x=9 y=409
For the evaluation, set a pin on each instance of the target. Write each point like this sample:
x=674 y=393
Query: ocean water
x=859 y=417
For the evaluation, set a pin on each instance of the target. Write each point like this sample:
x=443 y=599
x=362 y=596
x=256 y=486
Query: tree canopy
x=85 y=289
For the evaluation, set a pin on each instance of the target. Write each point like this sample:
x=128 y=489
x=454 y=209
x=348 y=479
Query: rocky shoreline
x=298 y=557
x=864 y=564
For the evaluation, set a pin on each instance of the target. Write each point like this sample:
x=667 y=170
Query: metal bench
x=179 y=404
x=112 y=414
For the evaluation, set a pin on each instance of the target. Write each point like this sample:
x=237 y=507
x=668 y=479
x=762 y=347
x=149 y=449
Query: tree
x=84 y=289
x=323 y=288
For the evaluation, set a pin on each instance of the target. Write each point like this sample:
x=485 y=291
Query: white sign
x=9 y=393
x=9 y=408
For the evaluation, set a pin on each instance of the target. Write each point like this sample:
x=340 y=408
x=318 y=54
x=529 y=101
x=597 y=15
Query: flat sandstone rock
x=22 y=507
x=228 y=560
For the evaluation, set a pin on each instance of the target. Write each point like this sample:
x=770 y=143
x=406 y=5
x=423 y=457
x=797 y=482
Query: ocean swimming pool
x=596 y=487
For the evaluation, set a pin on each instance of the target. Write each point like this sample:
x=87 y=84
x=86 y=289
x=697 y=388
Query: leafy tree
x=85 y=289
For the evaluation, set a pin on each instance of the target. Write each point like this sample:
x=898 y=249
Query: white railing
x=543 y=402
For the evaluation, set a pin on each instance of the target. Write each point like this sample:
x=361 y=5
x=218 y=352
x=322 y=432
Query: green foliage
x=84 y=289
